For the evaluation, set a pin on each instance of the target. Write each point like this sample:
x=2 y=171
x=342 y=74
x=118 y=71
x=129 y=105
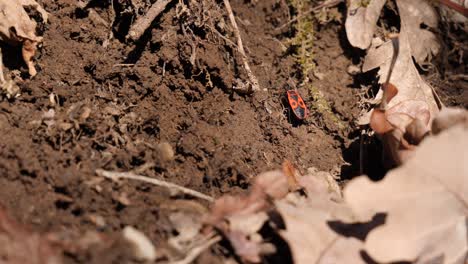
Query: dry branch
x=240 y=47
x=129 y=175
x=144 y=22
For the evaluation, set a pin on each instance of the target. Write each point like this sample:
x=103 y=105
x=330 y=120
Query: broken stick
x=129 y=175
x=144 y=22
x=240 y=47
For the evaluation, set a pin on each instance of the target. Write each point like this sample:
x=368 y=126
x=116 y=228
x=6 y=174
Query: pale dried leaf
x=307 y=232
x=426 y=201
x=412 y=89
x=362 y=18
x=310 y=238
x=414 y=14
x=449 y=117
x=361 y=22
x=415 y=102
x=16 y=27
x=241 y=217
x=13 y=16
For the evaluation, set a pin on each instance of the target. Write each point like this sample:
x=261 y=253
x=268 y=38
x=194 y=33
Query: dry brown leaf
x=361 y=23
x=426 y=202
x=410 y=112
x=239 y=218
x=17 y=28
x=310 y=238
x=307 y=231
x=413 y=41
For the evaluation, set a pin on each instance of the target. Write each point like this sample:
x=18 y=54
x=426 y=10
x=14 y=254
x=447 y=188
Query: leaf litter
x=425 y=209
x=408 y=104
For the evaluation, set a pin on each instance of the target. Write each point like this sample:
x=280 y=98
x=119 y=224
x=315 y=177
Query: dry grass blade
x=129 y=175
x=240 y=47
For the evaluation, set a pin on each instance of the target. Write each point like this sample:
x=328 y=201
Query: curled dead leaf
x=17 y=28
x=425 y=201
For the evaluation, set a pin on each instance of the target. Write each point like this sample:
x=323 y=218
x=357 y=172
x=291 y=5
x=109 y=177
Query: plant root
x=144 y=22
x=130 y=175
x=240 y=47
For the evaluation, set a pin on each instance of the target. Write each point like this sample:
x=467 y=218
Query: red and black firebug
x=297 y=104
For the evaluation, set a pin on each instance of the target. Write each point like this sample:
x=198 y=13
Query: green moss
x=303 y=45
x=322 y=106
x=303 y=41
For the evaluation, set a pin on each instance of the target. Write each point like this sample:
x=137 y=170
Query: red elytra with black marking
x=297 y=104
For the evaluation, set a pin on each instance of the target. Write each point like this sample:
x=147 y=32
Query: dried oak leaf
x=361 y=24
x=414 y=104
x=413 y=42
x=17 y=28
x=240 y=218
x=426 y=202
x=18 y=245
x=361 y=21
x=309 y=236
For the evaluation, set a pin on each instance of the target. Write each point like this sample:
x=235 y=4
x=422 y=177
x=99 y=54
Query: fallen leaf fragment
x=414 y=104
x=305 y=213
x=426 y=202
x=360 y=21
x=449 y=117
x=362 y=17
x=186 y=218
x=239 y=218
x=17 y=28
x=18 y=245
x=307 y=230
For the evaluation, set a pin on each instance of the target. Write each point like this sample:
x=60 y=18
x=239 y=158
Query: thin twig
x=196 y=251
x=252 y=77
x=2 y=77
x=144 y=22
x=130 y=175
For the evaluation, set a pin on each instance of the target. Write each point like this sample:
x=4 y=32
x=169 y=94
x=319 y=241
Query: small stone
x=318 y=75
x=142 y=246
x=52 y=99
x=165 y=151
x=98 y=220
x=65 y=126
x=353 y=70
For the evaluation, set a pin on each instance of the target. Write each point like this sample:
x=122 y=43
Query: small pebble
x=166 y=151
x=143 y=248
x=353 y=69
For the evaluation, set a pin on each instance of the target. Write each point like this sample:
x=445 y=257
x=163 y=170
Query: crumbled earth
x=104 y=103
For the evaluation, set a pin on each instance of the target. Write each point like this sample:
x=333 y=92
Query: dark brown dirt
x=117 y=104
